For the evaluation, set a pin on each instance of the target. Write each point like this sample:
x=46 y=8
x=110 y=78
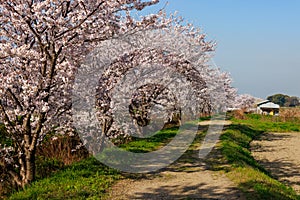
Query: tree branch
x=15 y=98
x=80 y=23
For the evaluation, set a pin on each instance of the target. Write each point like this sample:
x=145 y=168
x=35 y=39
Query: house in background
x=267 y=108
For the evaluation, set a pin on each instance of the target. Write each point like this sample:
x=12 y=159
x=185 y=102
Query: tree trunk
x=26 y=174
x=27 y=169
x=30 y=167
x=27 y=153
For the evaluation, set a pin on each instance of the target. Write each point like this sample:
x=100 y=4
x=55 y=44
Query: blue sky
x=258 y=42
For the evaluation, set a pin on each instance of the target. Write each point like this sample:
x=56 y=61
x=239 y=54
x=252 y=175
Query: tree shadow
x=196 y=191
x=188 y=163
x=282 y=167
x=272 y=137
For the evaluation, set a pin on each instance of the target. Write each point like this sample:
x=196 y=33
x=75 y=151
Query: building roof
x=269 y=105
x=263 y=102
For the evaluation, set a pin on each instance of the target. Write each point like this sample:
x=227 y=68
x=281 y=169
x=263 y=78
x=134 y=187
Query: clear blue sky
x=258 y=41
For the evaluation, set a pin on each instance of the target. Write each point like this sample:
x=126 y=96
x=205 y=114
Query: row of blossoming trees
x=42 y=45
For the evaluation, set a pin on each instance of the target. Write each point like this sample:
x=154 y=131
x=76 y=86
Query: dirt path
x=279 y=153
x=196 y=184
x=182 y=180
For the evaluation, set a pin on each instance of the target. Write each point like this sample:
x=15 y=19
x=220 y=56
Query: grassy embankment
x=89 y=179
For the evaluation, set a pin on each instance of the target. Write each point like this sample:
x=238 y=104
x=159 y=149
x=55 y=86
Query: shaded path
x=279 y=153
x=200 y=184
x=188 y=178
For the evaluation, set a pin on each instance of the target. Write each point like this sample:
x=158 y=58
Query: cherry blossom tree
x=244 y=101
x=42 y=44
x=154 y=57
x=152 y=64
x=220 y=90
x=150 y=73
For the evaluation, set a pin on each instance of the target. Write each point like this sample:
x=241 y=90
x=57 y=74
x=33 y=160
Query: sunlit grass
x=269 y=123
x=144 y=145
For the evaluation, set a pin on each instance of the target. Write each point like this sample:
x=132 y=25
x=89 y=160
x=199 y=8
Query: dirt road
x=197 y=183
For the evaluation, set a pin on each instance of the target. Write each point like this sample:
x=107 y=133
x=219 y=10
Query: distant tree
x=279 y=99
x=284 y=100
x=292 y=102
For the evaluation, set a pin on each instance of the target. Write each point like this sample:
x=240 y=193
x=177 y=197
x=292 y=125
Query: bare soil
x=279 y=153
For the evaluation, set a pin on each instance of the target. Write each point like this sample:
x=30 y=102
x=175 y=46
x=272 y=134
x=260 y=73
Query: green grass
x=144 y=145
x=239 y=164
x=88 y=179
x=269 y=123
